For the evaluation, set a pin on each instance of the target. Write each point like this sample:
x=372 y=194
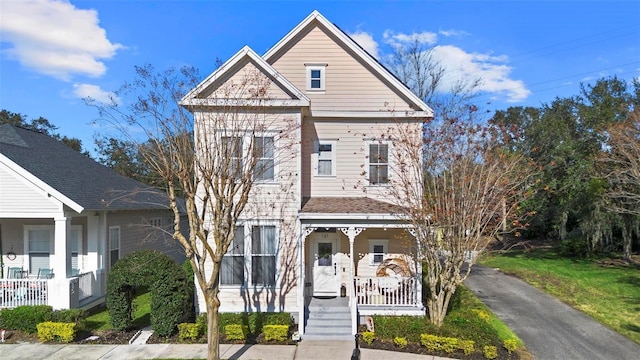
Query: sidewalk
x=307 y=350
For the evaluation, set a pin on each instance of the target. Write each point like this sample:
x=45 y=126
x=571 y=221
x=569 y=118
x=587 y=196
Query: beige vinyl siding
x=351 y=178
x=18 y=196
x=350 y=84
x=237 y=84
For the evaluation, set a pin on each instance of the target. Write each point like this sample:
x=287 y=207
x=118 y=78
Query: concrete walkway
x=549 y=328
x=306 y=350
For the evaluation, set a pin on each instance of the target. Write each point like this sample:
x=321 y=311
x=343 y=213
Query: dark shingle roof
x=76 y=176
x=348 y=205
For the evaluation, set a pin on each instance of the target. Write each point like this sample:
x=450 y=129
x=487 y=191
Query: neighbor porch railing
x=18 y=292
x=387 y=291
x=85 y=285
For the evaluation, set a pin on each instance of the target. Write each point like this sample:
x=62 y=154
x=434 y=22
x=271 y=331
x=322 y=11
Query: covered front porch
x=364 y=258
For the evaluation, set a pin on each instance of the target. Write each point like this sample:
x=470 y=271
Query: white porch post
x=351 y=233
x=418 y=267
x=306 y=231
x=61 y=259
x=96 y=244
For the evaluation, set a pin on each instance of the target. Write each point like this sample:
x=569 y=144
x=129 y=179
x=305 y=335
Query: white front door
x=325 y=264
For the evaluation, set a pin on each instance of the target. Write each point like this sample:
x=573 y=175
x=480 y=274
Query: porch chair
x=45 y=273
x=15 y=273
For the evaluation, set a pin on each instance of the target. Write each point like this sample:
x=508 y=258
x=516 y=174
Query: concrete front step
x=329 y=337
x=329 y=319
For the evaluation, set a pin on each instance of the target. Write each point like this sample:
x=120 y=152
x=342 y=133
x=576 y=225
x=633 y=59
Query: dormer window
x=315 y=77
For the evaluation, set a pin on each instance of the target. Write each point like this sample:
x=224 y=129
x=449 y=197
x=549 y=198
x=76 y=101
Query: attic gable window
x=315 y=77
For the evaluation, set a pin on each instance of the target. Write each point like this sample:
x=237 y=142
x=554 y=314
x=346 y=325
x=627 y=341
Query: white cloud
x=94 y=92
x=366 y=41
x=53 y=37
x=453 y=32
x=493 y=71
x=424 y=37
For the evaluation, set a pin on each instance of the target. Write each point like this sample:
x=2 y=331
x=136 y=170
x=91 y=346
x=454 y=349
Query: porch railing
x=18 y=292
x=387 y=291
x=85 y=285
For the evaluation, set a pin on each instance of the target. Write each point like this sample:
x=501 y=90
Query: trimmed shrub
x=400 y=342
x=276 y=332
x=56 y=331
x=188 y=331
x=253 y=321
x=236 y=332
x=467 y=346
x=25 y=318
x=76 y=316
x=171 y=296
x=439 y=343
x=490 y=352
x=368 y=337
x=511 y=345
x=410 y=327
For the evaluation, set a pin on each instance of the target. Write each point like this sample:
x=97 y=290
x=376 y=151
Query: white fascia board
x=370 y=114
x=381 y=70
x=246 y=51
x=19 y=170
x=240 y=103
x=331 y=216
x=30 y=215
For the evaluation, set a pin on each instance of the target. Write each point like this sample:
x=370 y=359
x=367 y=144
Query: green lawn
x=609 y=294
x=141 y=314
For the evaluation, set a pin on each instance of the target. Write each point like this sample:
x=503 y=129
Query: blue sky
x=54 y=53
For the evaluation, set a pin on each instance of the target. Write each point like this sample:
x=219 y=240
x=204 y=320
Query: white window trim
x=316 y=157
x=119 y=243
x=323 y=70
x=389 y=162
x=385 y=250
x=276 y=144
x=27 y=259
x=248 y=262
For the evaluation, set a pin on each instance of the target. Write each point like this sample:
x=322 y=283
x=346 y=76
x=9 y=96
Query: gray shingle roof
x=78 y=177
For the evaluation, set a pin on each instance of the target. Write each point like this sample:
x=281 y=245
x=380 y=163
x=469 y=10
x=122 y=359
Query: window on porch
x=39 y=247
x=378 y=249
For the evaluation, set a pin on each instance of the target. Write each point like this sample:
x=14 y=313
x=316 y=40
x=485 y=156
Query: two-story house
x=336 y=249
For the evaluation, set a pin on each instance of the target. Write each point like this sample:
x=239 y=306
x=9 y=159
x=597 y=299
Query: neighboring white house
x=62 y=211
x=335 y=232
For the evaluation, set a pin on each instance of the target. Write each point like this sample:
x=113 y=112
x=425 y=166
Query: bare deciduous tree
x=469 y=187
x=209 y=161
x=621 y=167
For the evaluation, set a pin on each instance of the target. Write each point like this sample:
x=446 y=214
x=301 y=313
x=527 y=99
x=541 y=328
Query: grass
x=141 y=314
x=609 y=294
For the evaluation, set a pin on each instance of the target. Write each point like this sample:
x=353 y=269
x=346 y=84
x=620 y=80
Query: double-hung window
x=326 y=158
x=316 y=77
x=39 y=247
x=232 y=150
x=378 y=249
x=263 y=255
x=232 y=267
x=264 y=155
x=114 y=244
x=378 y=163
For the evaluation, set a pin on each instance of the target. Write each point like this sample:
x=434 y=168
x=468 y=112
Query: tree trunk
x=627 y=239
x=213 y=337
x=563 y=226
x=437 y=305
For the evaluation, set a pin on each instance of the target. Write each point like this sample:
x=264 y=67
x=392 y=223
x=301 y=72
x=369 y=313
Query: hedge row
x=27 y=318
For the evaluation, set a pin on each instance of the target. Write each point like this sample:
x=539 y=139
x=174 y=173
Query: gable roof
x=217 y=78
x=71 y=177
x=315 y=18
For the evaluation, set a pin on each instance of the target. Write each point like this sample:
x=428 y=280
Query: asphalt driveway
x=550 y=329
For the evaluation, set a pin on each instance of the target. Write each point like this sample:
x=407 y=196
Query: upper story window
x=315 y=77
x=265 y=162
x=378 y=163
x=326 y=158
